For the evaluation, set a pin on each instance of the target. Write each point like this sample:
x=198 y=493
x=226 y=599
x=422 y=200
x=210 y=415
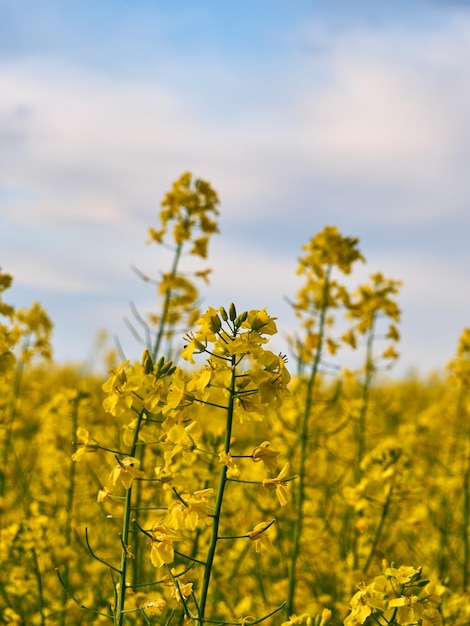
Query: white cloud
x=39 y=273
x=92 y=147
x=385 y=120
x=392 y=112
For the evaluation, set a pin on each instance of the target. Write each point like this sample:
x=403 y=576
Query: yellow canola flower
x=85 y=442
x=187 y=205
x=260 y=536
x=309 y=620
x=187 y=512
x=366 y=601
x=279 y=484
x=266 y=455
x=246 y=343
x=188 y=351
x=129 y=432
x=117 y=379
x=272 y=381
x=161 y=541
x=403 y=574
x=155 y=606
x=126 y=470
x=225 y=458
x=399 y=596
x=260 y=322
x=390 y=353
x=232 y=468
x=182 y=592
x=200 y=247
x=459 y=366
x=349 y=338
x=200 y=380
x=119 y=399
x=181 y=442
x=326 y=248
x=178 y=396
x=203 y=274
x=183 y=436
x=207 y=332
x=409 y=609
x=11 y=617
x=393 y=333
x=34 y=324
x=194 y=346
x=104 y=495
x=248 y=409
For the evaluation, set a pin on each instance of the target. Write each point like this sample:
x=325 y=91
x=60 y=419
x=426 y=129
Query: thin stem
x=69 y=508
x=379 y=530
x=366 y=387
x=155 y=349
x=304 y=437
x=77 y=601
x=218 y=504
x=361 y=427
x=137 y=562
x=37 y=573
x=97 y=558
x=121 y=592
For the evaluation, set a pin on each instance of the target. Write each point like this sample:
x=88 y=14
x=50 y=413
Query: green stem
x=154 y=352
x=218 y=505
x=121 y=592
x=304 y=436
x=366 y=387
x=361 y=426
x=138 y=561
x=155 y=349
x=69 y=509
x=379 y=530
x=37 y=573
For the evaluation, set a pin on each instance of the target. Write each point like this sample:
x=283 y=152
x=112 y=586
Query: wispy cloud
x=381 y=118
x=364 y=128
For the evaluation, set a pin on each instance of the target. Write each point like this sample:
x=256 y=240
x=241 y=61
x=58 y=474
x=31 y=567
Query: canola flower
x=184 y=502
x=398 y=597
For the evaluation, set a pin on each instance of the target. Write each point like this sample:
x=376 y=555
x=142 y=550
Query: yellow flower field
x=216 y=482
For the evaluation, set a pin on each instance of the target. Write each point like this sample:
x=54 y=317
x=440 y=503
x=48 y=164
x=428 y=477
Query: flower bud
x=240 y=319
x=147 y=362
x=216 y=324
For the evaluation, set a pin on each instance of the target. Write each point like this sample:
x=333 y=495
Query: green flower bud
x=216 y=324
x=147 y=362
x=232 y=311
x=240 y=319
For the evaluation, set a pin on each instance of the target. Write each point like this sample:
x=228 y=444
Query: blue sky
x=300 y=113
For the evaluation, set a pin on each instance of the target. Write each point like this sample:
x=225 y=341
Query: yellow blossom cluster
x=208 y=482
